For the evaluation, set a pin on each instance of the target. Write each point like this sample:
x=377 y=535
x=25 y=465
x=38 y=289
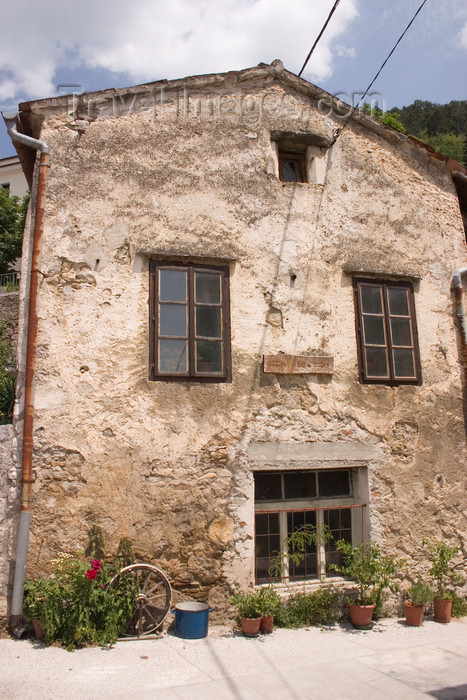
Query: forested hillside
x=444 y=127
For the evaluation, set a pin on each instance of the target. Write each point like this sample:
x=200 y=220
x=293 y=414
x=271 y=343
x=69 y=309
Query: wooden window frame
x=321 y=507
x=391 y=379
x=299 y=163
x=191 y=375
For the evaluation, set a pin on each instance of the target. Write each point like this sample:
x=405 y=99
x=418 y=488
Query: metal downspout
x=16 y=614
x=456 y=285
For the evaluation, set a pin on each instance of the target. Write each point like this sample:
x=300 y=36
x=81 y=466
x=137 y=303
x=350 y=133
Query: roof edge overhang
x=34 y=112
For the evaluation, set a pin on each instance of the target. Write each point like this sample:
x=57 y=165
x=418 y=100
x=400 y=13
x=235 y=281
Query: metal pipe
x=16 y=615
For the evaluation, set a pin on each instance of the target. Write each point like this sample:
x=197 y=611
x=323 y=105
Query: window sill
x=285 y=590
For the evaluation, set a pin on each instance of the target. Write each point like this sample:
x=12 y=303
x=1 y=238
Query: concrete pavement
x=389 y=661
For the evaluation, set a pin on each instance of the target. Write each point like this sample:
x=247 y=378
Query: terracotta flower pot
x=250 y=625
x=38 y=631
x=361 y=615
x=414 y=614
x=442 y=610
x=266 y=624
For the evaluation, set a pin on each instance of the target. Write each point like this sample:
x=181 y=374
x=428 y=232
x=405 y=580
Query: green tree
x=448 y=144
x=12 y=217
x=7 y=381
x=389 y=118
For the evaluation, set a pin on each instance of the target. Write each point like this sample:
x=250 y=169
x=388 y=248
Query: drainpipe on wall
x=456 y=285
x=16 y=614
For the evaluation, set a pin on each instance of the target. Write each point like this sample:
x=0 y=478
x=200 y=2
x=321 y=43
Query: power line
x=319 y=36
x=381 y=68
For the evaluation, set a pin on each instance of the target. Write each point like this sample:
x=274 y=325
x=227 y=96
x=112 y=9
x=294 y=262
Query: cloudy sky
x=98 y=44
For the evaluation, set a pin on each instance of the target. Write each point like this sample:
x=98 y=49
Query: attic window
x=292 y=166
x=299 y=157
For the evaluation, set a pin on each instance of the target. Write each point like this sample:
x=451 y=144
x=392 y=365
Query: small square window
x=386 y=332
x=292 y=166
x=189 y=322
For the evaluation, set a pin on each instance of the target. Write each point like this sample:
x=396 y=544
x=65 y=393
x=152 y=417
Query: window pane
x=289 y=173
x=208 y=288
x=208 y=356
x=262 y=523
x=172 y=319
x=404 y=365
x=338 y=521
x=172 y=356
x=376 y=362
x=374 y=330
x=299 y=485
x=308 y=566
x=371 y=299
x=398 y=302
x=172 y=285
x=334 y=483
x=268 y=486
x=401 y=332
x=267 y=542
x=208 y=322
x=345 y=518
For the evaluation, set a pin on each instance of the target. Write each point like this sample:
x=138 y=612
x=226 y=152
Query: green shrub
x=459 y=605
x=372 y=571
x=248 y=604
x=442 y=570
x=7 y=382
x=76 y=605
x=420 y=593
x=304 y=609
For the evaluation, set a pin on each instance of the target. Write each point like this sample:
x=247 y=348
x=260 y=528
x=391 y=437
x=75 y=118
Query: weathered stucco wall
x=170 y=465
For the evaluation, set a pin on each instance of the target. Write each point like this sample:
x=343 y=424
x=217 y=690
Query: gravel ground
x=389 y=661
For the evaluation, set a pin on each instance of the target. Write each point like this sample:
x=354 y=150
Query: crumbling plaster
x=168 y=464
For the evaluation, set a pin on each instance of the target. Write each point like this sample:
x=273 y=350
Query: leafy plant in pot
x=269 y=602
x=442 y=571
x=248 y=611
x=373 y=573
x=419 y=595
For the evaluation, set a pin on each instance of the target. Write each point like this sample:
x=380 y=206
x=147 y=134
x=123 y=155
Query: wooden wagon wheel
x=153 y=596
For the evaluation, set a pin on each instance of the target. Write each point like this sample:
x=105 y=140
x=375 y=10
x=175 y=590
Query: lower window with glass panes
x=285 y=501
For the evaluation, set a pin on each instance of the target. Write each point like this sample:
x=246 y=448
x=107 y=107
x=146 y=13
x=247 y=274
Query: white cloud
x=345 y=51
x=150 y=39
x=464 y=36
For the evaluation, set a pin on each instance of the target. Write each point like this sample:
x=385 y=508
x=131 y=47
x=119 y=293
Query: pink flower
x=91 y=574
x=102 y=585
x=96 y=564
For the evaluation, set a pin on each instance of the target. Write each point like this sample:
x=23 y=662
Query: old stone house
x=245 y=323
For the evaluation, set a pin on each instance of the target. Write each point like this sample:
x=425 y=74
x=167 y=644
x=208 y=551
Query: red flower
x=91 y=574
x=96 y=564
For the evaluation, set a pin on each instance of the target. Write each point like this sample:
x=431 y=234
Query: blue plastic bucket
x=191 y=620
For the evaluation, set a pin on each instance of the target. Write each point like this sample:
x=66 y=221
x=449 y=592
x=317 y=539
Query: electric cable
x=354 y=108
x=319 y=36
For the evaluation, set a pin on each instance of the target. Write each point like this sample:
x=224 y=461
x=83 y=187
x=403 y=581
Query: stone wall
x=170 y=464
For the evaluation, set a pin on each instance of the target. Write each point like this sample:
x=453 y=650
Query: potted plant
x=419 y=594
x=269 y=602
x=372 y=572
x=248 y=611
x=441 y=556
x=40 y=598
